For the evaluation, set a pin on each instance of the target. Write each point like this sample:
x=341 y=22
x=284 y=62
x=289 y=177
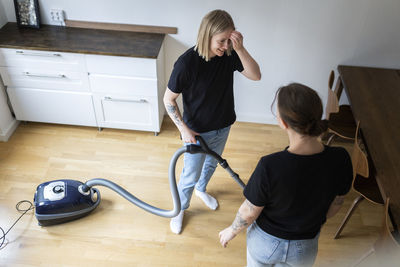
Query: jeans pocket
x=260 y=246
x=305 y=252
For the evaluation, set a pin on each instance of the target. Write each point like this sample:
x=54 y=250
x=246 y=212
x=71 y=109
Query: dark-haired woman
x=291 y=193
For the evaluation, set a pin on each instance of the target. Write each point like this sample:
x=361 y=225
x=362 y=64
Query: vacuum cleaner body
x=61 y=201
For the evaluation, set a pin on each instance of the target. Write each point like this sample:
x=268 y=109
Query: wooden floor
x=118 y=233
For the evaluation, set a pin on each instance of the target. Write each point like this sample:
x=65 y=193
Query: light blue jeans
x=264 y=249
x=198 y=168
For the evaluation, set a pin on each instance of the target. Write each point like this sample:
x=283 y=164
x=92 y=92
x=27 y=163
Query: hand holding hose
x=188 y=135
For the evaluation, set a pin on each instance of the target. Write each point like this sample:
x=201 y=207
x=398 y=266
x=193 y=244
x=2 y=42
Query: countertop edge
x=77 y=52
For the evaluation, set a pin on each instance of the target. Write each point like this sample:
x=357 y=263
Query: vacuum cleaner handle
x=203 y=148
x=207 y=150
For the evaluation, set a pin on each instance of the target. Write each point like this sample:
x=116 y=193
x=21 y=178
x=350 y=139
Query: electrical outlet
x=57 y=15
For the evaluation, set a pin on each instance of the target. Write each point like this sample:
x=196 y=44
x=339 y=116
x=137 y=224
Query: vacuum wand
x=224 y=164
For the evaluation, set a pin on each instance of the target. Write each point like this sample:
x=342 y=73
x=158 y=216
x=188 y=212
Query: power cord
x=3 y=238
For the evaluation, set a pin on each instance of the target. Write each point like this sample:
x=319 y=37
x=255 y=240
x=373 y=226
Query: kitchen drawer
x=122 y=66
x=136 y=113
x=42 y=59
x=51 y=106
x=123 y=85
x=44 y=78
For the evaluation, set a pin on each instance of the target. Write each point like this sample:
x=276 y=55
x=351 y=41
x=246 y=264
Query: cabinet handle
x=22 y=53
x=108 y=98
x=59 y=76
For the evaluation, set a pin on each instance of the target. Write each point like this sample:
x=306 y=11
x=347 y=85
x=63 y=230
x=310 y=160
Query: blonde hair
x=214 y=22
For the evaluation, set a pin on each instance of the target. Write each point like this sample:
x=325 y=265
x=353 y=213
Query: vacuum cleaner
x=60 y=201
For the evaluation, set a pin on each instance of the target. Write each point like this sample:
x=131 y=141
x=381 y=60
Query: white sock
x=176 y=223
x=210 y=201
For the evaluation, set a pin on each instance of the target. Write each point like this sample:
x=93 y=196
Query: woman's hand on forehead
x=237 y=40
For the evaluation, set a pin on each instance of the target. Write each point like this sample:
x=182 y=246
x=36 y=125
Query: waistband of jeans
x=262 y=232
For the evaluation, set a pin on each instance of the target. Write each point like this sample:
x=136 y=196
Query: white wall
x=298 y=40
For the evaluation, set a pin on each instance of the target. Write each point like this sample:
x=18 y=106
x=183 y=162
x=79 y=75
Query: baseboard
x=251 y=117
x=9 y=131
x=256 y=118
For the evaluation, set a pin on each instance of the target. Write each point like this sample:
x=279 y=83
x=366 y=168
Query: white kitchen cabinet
x=127 y=112
x=45 y=78
x=82 y=89
x=75 y=108
x=42 y=59
x=127 y=91
x=46 y=86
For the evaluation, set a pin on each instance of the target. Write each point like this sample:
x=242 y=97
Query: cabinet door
x=52 y=106
x=42 y=59
x=122 y=66
x=123 y=85
x=127 y=112
x=44 y=78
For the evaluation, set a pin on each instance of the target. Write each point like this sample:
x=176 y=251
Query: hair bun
x=317 y=127
x=324 y=125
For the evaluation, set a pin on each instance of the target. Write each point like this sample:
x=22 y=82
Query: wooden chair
x=340 y=118
x=386 y=247
x=364 y=182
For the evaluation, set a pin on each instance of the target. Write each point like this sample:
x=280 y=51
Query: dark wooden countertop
x=80 y=40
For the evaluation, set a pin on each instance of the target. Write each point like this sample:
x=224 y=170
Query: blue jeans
x=267 y=250
x=198 y=168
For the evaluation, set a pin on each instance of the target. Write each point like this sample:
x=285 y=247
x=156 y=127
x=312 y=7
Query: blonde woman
x=204 y=77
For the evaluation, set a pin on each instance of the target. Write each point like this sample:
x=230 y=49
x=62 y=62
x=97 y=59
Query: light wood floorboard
x=118 y=233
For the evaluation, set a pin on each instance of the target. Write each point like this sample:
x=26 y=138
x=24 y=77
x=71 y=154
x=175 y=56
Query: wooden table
x=374 y=96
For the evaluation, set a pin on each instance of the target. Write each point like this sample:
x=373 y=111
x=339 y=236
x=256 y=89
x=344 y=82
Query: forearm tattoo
x=239 y=222
x=173 y=113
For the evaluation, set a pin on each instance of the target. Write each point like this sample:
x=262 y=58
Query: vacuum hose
x=192 y=149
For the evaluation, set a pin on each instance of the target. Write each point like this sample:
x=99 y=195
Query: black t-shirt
x=297 y=190
x=207 y=89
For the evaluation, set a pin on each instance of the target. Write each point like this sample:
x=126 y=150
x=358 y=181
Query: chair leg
x=330 y=139
x=363 y=257
x=348 y=215
x=395 y=228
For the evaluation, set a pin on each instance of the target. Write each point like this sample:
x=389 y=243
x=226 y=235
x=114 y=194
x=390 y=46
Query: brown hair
x=301 y=108
x=214 y=22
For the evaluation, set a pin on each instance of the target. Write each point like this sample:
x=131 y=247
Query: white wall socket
x=57 y=15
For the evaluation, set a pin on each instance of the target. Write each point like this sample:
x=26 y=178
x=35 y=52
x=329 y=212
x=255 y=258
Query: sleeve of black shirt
x=179 y=79
x=256 y=190
x=237 y=64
